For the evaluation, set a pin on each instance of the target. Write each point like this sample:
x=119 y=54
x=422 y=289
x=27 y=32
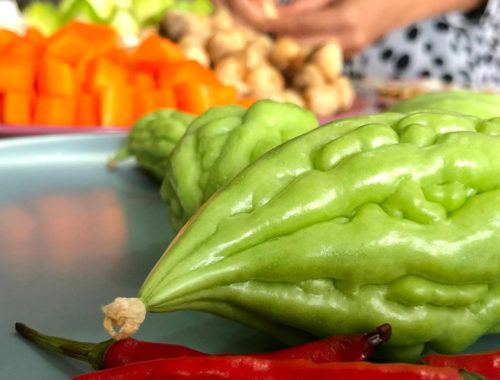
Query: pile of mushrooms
x=258 y=66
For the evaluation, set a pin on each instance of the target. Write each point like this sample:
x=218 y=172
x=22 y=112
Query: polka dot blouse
x=458 y=48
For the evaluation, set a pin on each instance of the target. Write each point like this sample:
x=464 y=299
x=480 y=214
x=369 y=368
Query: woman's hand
x=355 y=24
x=249 y=12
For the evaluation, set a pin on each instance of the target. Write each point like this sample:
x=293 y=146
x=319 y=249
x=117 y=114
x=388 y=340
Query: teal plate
x=73 y=236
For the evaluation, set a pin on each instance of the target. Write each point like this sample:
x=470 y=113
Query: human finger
x=349 y=43
x=303 y=6
x=318 y=22
x=248 y=11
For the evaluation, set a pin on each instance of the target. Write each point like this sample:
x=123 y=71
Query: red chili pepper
x=251 y=368
x=339 y=348
x=486 y=364
x=107 y=354
x=111 y=354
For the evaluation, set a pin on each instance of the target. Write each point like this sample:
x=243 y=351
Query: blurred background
x=104 y=63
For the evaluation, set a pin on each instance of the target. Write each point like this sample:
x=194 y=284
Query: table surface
x=74 y=235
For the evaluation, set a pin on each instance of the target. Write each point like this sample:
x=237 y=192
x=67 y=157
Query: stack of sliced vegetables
x=82 y=76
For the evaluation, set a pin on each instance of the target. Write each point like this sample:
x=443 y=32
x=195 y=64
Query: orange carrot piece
x=120 y=57
x=246 y=102
x=86 y=110
x=37 y=41
x=82 y=72
x=223 y=95
x=56 y=77
x=54 y=111
x=154 y=51
x=68 y=47
x=143 y=81
x=102 y=37
x=194 y=98
x=8 y=39
x=165 y=98
x=16 y=74
x=104 y=73
x=186 y=71
x=34 y=36
x=117 y=106
x=17 y=108
x=154 y=100
x=21 y=50
x=78 y=40
x=145 y=103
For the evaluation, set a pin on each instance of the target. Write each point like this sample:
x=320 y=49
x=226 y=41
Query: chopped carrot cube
x=16 y=75
x=117 y=106
x=194 y=98
x=143 y=81
x=165 y=98
x=186 y=71
x=17 y=108
x=223 y=95
x=104 y=73
x=86 y=110
x=56 y=77
x=8 y=39
x=54 y=111
x=246 y=102
x=155 y=51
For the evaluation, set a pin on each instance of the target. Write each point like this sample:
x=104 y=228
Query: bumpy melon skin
x=152 y=138
x=389 y=218
x=219 y=144
x=472 y=103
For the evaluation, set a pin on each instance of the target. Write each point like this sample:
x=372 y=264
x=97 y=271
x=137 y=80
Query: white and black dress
x=458 y=48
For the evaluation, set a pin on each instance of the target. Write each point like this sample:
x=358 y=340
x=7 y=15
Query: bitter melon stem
x=126 y=314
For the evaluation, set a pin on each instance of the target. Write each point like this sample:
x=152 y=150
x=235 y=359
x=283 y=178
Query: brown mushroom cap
x=323 y=100
x=177 y=25
x=223 y=44
x=329 y=59
x=287 y=54
x=222 y=20
x=293 y=96
x=231 y=69
x=308 y=75
x=346 y=92
x=265 y=80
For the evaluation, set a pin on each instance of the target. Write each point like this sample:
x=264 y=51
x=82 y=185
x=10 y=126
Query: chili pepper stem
x=93 y=353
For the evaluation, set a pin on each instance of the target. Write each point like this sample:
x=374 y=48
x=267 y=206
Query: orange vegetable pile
x=82 y=76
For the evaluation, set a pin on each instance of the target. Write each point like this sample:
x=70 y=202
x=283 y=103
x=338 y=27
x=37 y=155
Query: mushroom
x=223 y=44
x=230 y=69
x=323 y=100
x=222 y=20
x=293 y=96
x=265 y=80
x=253 y=57
x=329 y=60
x=287 y=54
x=346 y=92
x=261 y=42
x=247 y=33
x=194 y=49
x=308 y=75
x=176 y=25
